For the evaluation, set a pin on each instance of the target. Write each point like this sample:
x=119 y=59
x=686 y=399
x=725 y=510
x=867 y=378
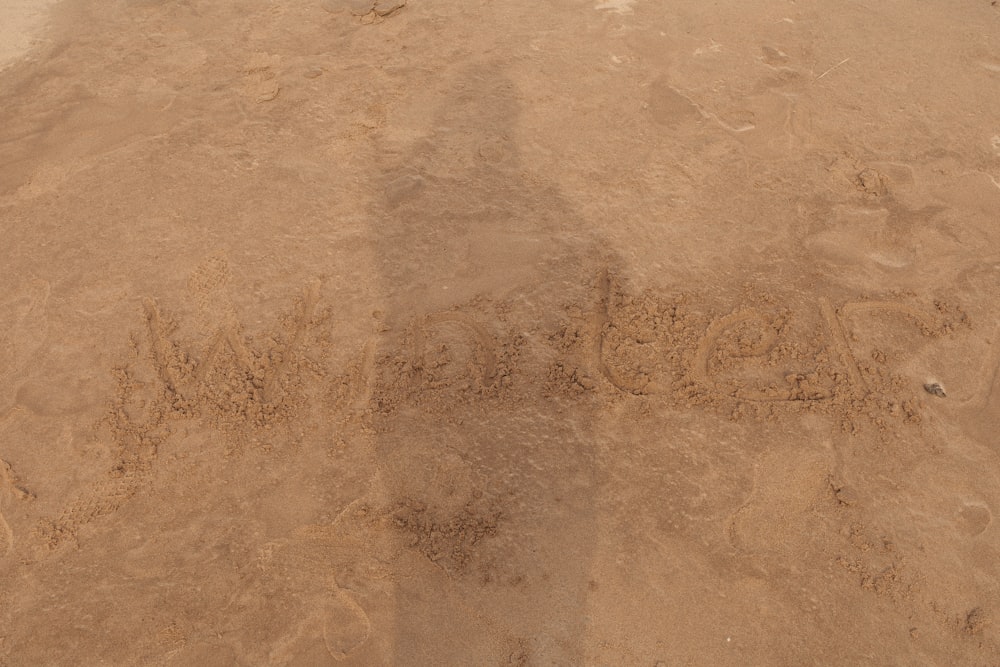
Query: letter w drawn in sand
x=185 y=377
x=232 y=384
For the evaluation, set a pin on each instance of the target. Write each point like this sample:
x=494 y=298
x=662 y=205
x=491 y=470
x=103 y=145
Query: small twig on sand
x=831 y=69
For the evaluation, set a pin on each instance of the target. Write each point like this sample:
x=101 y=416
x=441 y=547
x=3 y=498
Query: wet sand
x=604 y=333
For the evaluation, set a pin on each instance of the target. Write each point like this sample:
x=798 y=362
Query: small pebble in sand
x=935 y=388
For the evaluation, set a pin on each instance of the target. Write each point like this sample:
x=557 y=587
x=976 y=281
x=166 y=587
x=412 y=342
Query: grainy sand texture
x=22 y=24
x=592 y=332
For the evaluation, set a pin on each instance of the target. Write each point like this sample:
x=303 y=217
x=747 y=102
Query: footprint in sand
x=973 y=519
x=345 y=626
x=261 y=83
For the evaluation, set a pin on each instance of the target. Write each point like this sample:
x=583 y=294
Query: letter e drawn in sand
x=765 y=341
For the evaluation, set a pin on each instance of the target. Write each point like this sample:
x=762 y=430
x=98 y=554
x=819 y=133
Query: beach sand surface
x=22 y=23
x=366 y=332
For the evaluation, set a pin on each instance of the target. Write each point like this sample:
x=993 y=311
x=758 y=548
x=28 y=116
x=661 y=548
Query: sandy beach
x=22 y=25
x=604 y=332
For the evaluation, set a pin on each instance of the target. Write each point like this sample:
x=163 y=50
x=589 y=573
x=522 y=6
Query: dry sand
x=501 y=333
x=21 y=27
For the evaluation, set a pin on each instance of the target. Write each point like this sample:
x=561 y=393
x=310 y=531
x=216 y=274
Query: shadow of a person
x=482 y=518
